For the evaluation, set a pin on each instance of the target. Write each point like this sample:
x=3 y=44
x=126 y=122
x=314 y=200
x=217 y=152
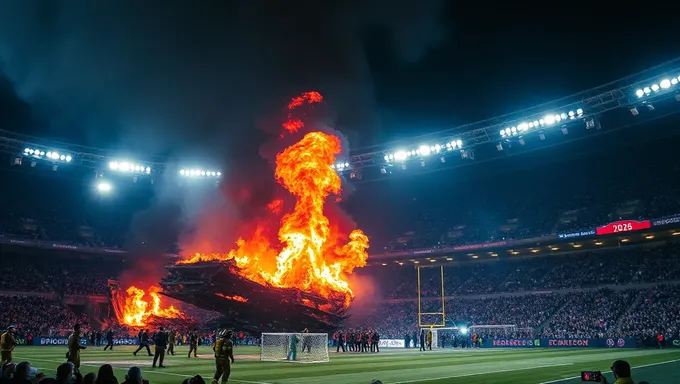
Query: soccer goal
x=294 y=347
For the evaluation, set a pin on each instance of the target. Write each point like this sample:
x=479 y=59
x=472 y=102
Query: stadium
x=535 y=247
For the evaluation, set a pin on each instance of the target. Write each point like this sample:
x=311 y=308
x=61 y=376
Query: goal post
x=435 y=314
x=437 y=333
x=294 y=347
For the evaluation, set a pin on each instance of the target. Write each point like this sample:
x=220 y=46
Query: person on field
x=144 y=341
x=161 y=342
x=172 y=334
x=74 y=347
x=193 y=344
x=7 y=344
x=224 y=356
x=109 y=340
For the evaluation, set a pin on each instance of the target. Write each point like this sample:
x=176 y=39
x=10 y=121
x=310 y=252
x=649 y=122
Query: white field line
x=159 y=372
x=480 y=373
x=639 y=366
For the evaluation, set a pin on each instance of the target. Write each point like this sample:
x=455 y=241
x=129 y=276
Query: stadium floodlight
x=341 y=166
x=199 y=173
x=663 y=85
x=463 y=331
x=424 y=150
x=104 y=187
x=294 y=347
x=129 y=167
x=547 y=120
x=53 y=156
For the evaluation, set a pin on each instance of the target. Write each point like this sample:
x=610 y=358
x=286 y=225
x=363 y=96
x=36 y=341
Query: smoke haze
x=165 y=78
x=160 y=76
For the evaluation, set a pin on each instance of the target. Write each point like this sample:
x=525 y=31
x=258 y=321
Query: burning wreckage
x=302 y=282
x=249 y=305
x=298 y=280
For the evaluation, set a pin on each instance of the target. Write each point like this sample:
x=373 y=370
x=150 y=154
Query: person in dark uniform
x=161 y=342
x=407 y=341
x=74 y=347
x=193 y=344
x=340 y=341
x=375 y=342
x=144 y=341
x=224 y=355
x=99 y=338
x=422 y=340
x=171 y=341
x=350 y=340
x=109 y=339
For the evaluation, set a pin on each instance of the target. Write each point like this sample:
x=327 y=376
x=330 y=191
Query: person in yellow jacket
x=224 y=354
x=7 y=343
x=429 y=339
x=74 y=347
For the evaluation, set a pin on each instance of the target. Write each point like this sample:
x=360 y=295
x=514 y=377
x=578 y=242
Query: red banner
x=623 y=226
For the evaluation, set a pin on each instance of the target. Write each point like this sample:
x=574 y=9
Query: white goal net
x=294 y=347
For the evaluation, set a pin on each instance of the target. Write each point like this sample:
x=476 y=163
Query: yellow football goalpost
x=435 y=315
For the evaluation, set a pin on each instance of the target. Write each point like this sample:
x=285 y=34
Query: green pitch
x=392 y=366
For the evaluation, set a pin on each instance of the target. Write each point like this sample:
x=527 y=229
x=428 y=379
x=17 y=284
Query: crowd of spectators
x=620 y=266
x=38 y=316
x=590 y=314
x=57 y=275
x=584 y=314
x=658 y=310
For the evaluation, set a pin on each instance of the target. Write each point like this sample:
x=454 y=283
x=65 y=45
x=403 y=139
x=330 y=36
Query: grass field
x=485 y=366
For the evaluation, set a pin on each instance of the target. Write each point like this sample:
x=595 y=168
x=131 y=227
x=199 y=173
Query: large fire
x=138 y=307
x=311 y=257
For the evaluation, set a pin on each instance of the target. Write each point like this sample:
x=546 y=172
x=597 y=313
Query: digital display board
x=623 y=226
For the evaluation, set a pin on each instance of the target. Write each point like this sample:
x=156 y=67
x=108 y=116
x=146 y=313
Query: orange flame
x=310 y=260
x=140 y=306
x=307 y=97
x=234 y=298
x=293 y=124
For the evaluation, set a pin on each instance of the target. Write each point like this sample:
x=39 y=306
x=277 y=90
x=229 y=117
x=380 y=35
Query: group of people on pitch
x=357 y=341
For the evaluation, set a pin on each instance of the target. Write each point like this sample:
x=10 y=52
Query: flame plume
x=139 y=307
x=310 y=259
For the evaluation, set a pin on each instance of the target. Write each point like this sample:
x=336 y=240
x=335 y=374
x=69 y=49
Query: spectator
x=105 y=375
x=21 y=373
x=65 y=373
x=90 y=378
x=134 y=376
x=621 y=370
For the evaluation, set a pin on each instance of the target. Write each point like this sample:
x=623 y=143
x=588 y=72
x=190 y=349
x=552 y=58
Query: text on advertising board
x=623 y=226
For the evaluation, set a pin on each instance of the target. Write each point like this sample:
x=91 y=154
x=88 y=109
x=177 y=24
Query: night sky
x=168 y=79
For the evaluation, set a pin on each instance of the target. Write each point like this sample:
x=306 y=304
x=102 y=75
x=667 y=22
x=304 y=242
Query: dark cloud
x=179 y=76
